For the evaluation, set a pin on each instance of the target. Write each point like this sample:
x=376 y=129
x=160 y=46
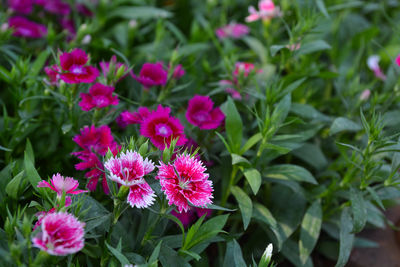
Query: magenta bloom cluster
x=99 y=96
x=200 y=112
x=152 y=75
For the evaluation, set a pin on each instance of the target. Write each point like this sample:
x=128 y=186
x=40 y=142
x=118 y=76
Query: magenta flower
x=56 y=7
x=184 y=182
x=233 y=30
x=186 y=217
x=25 y=28
x=243 y=68
x=234 y=94
x=373 y=64
x=126 y=118
x=74 y=67
x=129 y=168
x=161 y=128
x=267 y=10
x=68 y=25
x=152 y=75
x=82 y=9
x=61 y=234
x=200 y=112
x=105 y=68
x=53 y=72
x=21 y=6
x=140 y=195
x=398 y=60
x=99 y=96
x=59 y=184
x=178 y=72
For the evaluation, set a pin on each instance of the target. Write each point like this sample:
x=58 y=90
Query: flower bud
x=266 y=257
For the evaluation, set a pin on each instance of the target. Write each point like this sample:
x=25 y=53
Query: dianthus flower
x=59 y=184
x=41 y=214
x=233 y=30
x=152 y=75
x=200 y=112
x=74 y=67
x=178 y=72
x=99 y=96
x=128 y=169
x=161 y=128
x=21 y=6
x=398 y=60
x=94 y=141
x=61 y=234
x=373 y=64
x=53 y=72
x=185 y=182
x=267 y=10
x=56 y=7
x=25 y=28
x=243 y=68
x=127 y=117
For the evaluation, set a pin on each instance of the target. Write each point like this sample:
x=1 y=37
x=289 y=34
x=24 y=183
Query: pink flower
x=234 y=94
x=398 y=60
x=61 y=234
x=83 y=10
x=40 y=215
x=99 y=96
x=59 y=184
x=141 y=195
x=365 y=95
x=243 y=68
x=373 y=64
x=129 y=168
x=21 y=6
x=57 y=7
x=53 y=72
x=152 y=75
x=186 y=217
x=293 y=47
x=74 y=67
x=178 y=72
x=105 y=68
x=200 y=112
x=233 y=30
x=96 y=170
x=161 y=128
x=126 y=118
x=26 y=28
x=184 y=182
x=68 y=25
x=267 y=10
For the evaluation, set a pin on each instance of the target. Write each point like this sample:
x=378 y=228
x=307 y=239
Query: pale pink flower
x=293 y=47
x=59 y=184
x=234 y=94
x=373 y=64
x=365 y=94
x=185 y=182
x=53 y=72
x=233 y=30
x=128 y=168
x=61 y=234
x=267 y=10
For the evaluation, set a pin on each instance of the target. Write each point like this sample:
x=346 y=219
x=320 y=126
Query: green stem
x=228 y=188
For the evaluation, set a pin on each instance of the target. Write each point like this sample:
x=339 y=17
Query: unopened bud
x=86 y=39
x=266 y=257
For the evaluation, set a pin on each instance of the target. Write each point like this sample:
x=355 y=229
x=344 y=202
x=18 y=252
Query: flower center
x=163 y=130
x=77 y=70
x=201 y=116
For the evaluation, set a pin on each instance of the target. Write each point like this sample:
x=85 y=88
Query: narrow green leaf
x=236 y=159
x=245 y=205
x=359 y=210
x=342 y=124
x=233 y=255
x=191 y=254
x=31 y=173
x=234 y=126
x=281 y=111
x=375 y=197
x=313 y=46
x=346 y=238
x=253 y=176
x=310 y=229
x=37 y=66
x=322 y=8
x=29 y=151
x=290 y=172
x=251 y=142
x=156 y=252
x=139 y=12
x=308 y=112
x=12 y=187
x=118 y=254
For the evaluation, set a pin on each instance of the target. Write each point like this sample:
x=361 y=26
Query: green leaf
x=290 y=250
x=245 y=205
x=140 y=12
x=290 y=172
x=31 y=173
x=375 y=197
x=37 y=66
x=257 y=47
x=253 y=176
x=29 y=151
x=251 y=142
x=312 y=154
x=322 y=8
x=346 y=238
x=281 y=111
x=121 y=258
x=191 y=254
x=342 y=124
x=359 y=209
x=233 y=255
x=310 y=229
x=313 y=46
x=308 y=112
x=216 y=207
x=12 y=187
x=274 y=49
x=234 y=126
x=156 y=252
x=236 y=159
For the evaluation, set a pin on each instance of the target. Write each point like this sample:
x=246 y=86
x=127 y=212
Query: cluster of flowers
x=24 y=27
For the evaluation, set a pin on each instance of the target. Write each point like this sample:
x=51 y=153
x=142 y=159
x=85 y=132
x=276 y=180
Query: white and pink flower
x=373 y=64
x=266 y=11
x=59 y=184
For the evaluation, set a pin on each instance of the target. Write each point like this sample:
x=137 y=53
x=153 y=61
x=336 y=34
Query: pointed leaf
x=245 y=205
x=359 y=209
x=290 y=172
x=253 y=176
x=310 y=229
x=346 y=238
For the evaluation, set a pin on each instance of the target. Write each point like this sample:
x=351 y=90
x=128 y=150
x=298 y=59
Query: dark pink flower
x=40 y=215
x=21 y=6
x=59 y=184
x=68 y=25
x=267 y=10
x=26 y=28
x=61 y=234
x=186 y=217
x=178 y=72
x=117 y=67
x=99 y=96
x=398 y=60
x=233 y=30
x=74 y=67
x=185 y=182
x=53 y=72
x=200 y=212
x=127 y=117
x=152 y=75
x=83 y=10
x=161 y=128
x=97 y=140
x=57 y=7
x=200 y=112
x=234 y=94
